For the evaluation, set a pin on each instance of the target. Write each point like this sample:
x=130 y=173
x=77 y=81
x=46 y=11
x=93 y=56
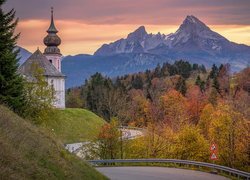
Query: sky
x=84 y=25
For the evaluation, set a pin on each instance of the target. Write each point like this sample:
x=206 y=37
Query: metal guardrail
x=231 y=171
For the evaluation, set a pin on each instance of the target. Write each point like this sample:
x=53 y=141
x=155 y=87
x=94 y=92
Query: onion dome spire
x=52 y=40
x=52 y=28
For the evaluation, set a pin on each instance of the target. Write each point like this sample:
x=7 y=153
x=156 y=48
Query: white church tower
x=52 y=41
x=53 y=54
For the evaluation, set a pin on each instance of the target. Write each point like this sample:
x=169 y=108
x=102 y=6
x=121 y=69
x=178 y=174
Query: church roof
x=38 y=58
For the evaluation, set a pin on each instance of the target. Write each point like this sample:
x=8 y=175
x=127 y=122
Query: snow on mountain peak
x=191 y=34
x=192 y=18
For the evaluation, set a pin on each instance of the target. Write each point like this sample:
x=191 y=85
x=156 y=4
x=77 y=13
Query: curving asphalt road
x=156 y=173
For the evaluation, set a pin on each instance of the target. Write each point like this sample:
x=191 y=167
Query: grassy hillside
x=74 y=125
x=27 y=152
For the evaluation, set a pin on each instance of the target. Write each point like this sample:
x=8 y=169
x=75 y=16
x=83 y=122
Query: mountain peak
x=138 y=34
x=193 y=21
x=192 y=24
x=141 y=29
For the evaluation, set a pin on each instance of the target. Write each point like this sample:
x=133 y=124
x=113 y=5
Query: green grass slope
x=74 y=125
x=29 y=152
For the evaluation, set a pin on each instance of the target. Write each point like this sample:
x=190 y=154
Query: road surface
x=79 y=148
x=156 y=173
x=128 y=134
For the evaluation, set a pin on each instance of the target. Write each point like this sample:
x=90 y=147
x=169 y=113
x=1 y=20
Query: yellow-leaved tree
x=39 y=95
x=205 y=120
x=230 y=131
x=191 y=145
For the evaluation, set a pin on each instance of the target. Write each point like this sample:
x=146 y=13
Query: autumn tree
x=213 y=96
x=137 y=148
x=243 y=81
x=191 y=145
x=196 y=102
x=39 y=95
x=162 y=142
x=224 y=79
x=108 y=141
x=240 y=103
x=139 y=108
x=74 y=98
x=205 y=120
x=159 y=87
x=174 y=106
x=230 y=131
x=157 y=142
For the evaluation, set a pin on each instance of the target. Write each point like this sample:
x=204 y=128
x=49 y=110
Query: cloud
x=79 y=37
x=136 y=12
x=84 y=25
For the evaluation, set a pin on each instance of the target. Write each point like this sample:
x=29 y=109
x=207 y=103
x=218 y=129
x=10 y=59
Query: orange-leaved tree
x=108 y=141
x=174 y=106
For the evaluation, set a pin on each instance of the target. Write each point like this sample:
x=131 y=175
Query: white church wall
x=58 y=83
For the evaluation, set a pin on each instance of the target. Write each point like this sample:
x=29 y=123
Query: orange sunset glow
x=81 y=38
x=85 y=25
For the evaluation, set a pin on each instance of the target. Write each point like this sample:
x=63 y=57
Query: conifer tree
x=214 y=72
x=11 y=83
x=203 y=69
x=157 y=72
x=216 y=84
x=200 y=83
x=198 y=80
x=181 y=86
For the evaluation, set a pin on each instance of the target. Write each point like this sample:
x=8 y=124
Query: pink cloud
x=79 y=37
x=136 y=12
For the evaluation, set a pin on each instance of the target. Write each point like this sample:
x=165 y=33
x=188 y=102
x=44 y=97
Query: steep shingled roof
x=42 y=62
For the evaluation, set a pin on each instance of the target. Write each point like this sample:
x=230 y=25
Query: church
x=50 y=62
